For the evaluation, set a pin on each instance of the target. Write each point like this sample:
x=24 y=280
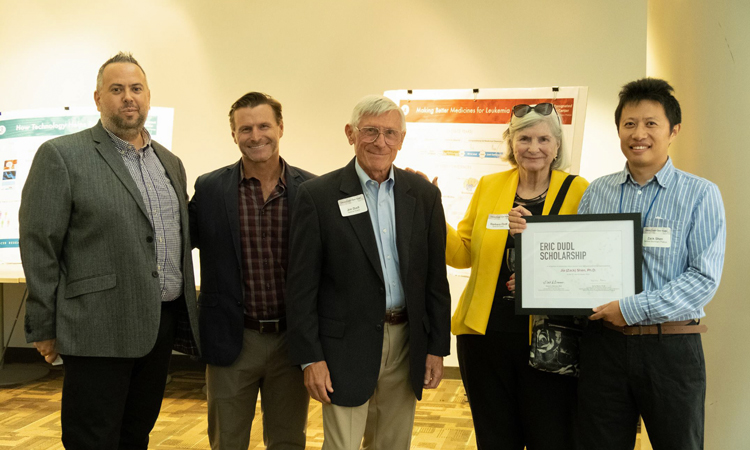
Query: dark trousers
x=512 y=404
x=113 y=403
x=662 y=378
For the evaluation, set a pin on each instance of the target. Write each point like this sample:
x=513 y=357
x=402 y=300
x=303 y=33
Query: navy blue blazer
x=215 y=230
x=335 y=299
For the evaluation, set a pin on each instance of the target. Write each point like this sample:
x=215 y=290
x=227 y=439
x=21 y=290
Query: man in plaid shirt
x=239 y=219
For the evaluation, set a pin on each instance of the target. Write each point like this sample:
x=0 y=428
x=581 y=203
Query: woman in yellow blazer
x=513 y=405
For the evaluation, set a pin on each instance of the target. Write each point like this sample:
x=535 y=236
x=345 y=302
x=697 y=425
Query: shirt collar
x=282 y=176
x=124 y=146
x=364 y=178
x=663 y=177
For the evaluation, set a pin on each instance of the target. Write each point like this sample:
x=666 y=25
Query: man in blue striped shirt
x=642 y=355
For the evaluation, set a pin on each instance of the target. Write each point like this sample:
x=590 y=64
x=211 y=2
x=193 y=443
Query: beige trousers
x=386 y=420
x=263 y=365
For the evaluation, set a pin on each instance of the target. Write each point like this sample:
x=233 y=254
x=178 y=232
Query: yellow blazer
x=473 y=245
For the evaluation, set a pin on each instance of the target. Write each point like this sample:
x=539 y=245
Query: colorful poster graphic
x=21 y=134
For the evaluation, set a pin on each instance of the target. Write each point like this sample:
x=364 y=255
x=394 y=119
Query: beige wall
x=703 y=48
x=318 y=59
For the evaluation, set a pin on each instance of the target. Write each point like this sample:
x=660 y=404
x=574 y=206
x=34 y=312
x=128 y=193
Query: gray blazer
x=88 y=253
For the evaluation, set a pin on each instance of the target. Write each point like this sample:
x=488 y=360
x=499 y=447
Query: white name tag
x=353 y=205
x=498 y=222
x=657 y=237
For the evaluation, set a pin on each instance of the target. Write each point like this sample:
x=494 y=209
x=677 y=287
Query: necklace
x=531 y=201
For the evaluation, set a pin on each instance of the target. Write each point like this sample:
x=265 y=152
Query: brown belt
x=266 y=326
x=396 y=317
x=682 y=327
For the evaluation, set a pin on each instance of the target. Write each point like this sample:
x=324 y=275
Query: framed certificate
x=567 y=265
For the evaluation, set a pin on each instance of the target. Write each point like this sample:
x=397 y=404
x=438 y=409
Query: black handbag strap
x=555 y=210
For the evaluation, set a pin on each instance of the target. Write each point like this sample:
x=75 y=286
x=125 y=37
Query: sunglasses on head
x=544 y=109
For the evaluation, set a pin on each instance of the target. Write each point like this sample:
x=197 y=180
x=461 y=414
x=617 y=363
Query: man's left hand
x=611 y=313
x=433 y=371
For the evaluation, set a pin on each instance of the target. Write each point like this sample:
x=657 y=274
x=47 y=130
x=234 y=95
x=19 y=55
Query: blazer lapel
x=491 y=252
x=106 y=148
x=405 y=209
x=293 y=180
x=350 y=186
x=230 y=185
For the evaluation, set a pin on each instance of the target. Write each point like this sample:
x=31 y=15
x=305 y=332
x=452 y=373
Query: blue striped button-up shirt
x=163 y=210
x=679 y=280
x=382 y=209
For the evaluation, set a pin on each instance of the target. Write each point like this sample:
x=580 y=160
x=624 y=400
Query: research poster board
x=457 y=135
x=21 y=134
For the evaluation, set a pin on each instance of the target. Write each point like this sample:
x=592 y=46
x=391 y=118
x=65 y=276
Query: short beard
x=123 y=129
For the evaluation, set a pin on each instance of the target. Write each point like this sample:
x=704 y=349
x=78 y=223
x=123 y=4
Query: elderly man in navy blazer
x=239 y=219
x=368 y=299
x=105 y=249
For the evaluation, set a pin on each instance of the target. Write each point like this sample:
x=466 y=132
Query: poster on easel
x=457 y=135
x=21 y=134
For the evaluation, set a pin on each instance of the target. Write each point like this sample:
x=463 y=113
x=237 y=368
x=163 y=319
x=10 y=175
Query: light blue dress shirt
x=382 y=209
x=680 y=280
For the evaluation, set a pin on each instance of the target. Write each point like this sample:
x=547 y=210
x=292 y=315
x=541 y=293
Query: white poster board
x=21 y=134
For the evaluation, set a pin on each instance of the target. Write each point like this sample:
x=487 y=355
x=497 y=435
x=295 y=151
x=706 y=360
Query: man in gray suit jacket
x=239 y=219
x=106 y=252
x=368 y=299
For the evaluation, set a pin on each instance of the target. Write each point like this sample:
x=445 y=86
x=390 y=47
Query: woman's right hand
x=516 y=221
x=423 y=175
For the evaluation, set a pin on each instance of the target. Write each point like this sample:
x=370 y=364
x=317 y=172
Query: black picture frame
x=526 y=304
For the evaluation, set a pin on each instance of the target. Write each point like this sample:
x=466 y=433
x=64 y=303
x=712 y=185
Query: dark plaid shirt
x=264 y=236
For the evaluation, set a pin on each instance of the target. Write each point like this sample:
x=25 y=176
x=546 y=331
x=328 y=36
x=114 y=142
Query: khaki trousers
x=263 y=365
x=386 y=420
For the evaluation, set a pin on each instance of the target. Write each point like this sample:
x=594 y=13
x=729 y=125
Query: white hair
x=375 y=105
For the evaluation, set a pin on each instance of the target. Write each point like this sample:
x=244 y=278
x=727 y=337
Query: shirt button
x=260 y=211
x=640 y=192
x=263 y=235
x=155 y=274
x=158 y=267
x=388 y=257
x=149 y=239
x=385 y=230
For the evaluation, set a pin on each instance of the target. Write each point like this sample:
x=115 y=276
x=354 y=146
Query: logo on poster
x=2 y=130
x=404 y=108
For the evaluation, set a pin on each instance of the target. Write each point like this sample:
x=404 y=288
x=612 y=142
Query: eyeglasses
x=370 y=134
x=544 y=109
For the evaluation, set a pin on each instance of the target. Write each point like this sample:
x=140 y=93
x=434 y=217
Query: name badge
x=498 y=222
x=657 y=237
x=353 y=205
